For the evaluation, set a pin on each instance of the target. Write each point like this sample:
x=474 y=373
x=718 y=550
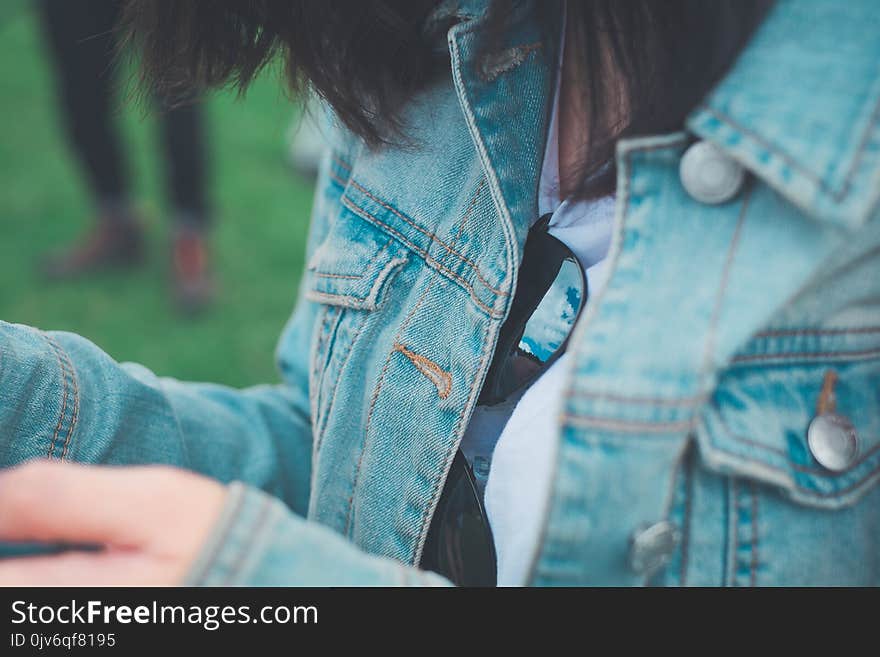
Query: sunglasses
x=550 y=293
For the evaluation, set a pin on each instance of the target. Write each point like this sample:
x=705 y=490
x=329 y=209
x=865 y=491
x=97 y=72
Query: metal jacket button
x=833 y=441
x=709 y=175
x=651 y=547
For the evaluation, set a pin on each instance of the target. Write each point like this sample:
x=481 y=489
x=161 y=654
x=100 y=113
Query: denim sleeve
x=259 y=542
x=61 y=397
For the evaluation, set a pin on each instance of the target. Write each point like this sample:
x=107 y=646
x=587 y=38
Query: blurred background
x=260 y=208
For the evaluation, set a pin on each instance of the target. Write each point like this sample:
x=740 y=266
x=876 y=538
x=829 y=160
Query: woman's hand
x=150 y=522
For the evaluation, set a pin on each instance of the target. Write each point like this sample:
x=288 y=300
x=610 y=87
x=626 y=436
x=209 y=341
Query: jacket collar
x=801 y=108
x=513 y=80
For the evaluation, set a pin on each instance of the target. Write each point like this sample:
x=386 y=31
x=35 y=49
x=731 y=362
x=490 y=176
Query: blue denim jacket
x=697 y=370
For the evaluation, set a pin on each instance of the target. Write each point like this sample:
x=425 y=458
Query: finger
x=84 y=569
x=50 y=501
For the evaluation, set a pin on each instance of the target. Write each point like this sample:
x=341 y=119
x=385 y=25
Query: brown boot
x=193 y=282
x=113 y=242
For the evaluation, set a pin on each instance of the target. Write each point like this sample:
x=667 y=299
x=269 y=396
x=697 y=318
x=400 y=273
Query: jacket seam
x=862 y=147
x=438 y=487
x=478 y=140
x=374 y=398
x=70 y=389
x=837 y=194
x=75 y=417
x=727 y=578
x=219 y=542
x=781 y=333
x=430 y=261
x=380 y=382
x=339 y=181
x=352 y=300
x=684 y=401
x=686 y=522
x=66 y=390
x=859 y=354
x=796 y=466
x=734 y=556
x=433 y=237
x=324 y=414
x=673 y=499
x=356 y=277
x=732 y=250
x=626 y=426
x=624 y=199
x=342 y=163
x=770 y=146
x=809 y=491
x=753 y=563
x=318 y=357
x=244 y=550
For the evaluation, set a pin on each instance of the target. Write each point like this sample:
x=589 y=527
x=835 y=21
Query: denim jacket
x=723 y=331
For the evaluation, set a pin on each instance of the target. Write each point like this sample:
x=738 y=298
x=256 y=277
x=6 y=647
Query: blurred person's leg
x=80 y=39
x=185 y=150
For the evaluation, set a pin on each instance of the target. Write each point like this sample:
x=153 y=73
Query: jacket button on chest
x=651 y=547
x=833 y=441
x=709 y=175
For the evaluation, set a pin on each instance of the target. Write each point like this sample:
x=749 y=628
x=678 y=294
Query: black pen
x=10 y=550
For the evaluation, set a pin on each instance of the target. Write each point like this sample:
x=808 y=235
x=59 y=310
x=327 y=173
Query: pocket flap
x=756 y=424
x=354 y=264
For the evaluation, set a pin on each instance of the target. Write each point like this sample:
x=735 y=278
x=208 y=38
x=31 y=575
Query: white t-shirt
x=512 y=446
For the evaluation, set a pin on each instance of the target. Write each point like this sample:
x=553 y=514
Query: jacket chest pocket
x=795 y=423
x=350 y=274
x=806 y=418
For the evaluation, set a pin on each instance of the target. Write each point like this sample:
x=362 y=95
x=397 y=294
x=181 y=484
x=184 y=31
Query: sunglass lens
x=546 y=330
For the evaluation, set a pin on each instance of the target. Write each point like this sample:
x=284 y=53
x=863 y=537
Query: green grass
x=261 y=221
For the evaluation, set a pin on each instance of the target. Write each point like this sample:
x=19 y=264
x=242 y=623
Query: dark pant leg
x=80 y=36
x=183 y=137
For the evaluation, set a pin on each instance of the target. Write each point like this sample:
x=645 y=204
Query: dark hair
x=667 y=55
x=366 y=58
